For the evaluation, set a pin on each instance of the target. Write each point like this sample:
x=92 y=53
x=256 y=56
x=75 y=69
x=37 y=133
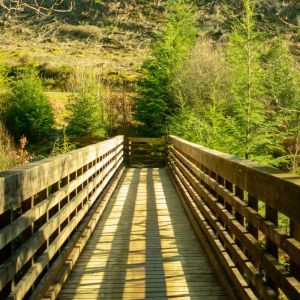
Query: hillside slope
x=112 y=36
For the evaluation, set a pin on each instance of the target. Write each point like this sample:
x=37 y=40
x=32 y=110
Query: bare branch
x=39 y=6
x=284 y=13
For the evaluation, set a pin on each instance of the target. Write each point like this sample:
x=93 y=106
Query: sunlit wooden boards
x=144 y=248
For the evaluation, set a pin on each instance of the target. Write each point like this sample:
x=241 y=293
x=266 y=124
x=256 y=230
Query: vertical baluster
x=221 y=182
x=253 y=203
x=239 y=193
x=32 y=230
x=229 y=187
x=214 y=176
x=63 y=182
x=47 y=219
x=129 y=145
x=295 y=233
x=272 y=215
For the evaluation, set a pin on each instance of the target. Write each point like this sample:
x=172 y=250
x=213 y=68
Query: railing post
x=295 y=233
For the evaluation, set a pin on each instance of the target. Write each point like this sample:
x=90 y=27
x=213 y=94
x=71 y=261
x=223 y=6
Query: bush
x=29 y=112
x=202 y=78
x=62 y=145
x=55 y=76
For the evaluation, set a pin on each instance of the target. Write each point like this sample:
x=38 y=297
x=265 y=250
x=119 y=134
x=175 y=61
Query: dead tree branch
x=38 y=6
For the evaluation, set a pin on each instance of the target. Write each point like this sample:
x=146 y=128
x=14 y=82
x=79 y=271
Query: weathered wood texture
x=143 y=247
x=42 y=206
x=222 y=195
x=145 y=152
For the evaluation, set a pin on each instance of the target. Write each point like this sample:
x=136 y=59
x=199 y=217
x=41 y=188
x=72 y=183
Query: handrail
x=41 y=206
x=236 y=204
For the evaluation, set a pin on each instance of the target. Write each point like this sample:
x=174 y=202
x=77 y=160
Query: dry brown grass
x=80 y=31
x=10 y=156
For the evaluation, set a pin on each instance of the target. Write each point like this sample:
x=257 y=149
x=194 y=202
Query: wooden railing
x=42 y=207
x=238 y=209
x=247 y=216
x=145 y=152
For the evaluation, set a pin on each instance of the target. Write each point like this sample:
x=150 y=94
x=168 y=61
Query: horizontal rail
x=238 y=206
x=146 y=152
x=42 y=205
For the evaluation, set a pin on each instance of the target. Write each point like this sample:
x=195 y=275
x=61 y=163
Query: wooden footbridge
x=149 y=219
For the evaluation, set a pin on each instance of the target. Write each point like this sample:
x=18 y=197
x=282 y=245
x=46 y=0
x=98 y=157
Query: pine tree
x=155 y=102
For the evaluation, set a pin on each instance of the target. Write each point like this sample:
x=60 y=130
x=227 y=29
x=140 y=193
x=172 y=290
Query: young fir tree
x=86 y=108
x=283 y=98
x=244 y=50
x=155 y=102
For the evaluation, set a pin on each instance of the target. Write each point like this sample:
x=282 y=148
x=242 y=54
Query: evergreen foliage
x=28 y=111
x=155 y=102
x=247 y=78
x=201 y=85
x=86 y=108
x=279 y=81
x=245 y=104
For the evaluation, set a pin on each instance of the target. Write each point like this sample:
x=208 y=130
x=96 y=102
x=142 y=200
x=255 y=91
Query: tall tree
x=244 y=50
x=155 y=102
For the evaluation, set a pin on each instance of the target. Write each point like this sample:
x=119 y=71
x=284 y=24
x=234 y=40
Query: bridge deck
x=143 y=247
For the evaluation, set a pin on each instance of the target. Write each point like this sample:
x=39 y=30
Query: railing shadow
x=188 y=271
x=101 y=269
x=140 y=249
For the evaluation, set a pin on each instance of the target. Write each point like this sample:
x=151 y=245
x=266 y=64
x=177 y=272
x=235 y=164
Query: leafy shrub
x=202 y=78
x=29 y=112
x=55 y=76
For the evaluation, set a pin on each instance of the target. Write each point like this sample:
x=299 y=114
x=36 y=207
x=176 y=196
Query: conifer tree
x=155 y=102
x=86 y=107
x=244 y=50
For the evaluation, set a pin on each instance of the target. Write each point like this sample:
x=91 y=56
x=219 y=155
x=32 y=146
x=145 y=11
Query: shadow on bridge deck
x=143 y=247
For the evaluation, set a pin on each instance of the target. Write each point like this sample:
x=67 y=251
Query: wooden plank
x=141 y=246
x=145 y=140
x=51 y=284
x=236 y=277
x=87 y=186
